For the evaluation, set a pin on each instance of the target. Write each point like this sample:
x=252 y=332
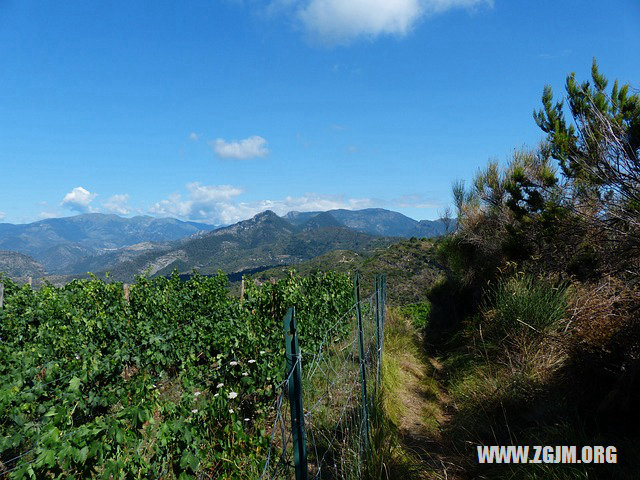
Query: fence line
x=336 y=421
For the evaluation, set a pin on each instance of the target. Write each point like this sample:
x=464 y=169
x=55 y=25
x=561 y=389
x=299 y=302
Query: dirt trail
x=422 y=407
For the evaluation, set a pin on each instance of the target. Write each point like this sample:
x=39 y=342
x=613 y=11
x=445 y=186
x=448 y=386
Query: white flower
x=247 y=419
x=244 y=374
x=77 y=357
x=220 y=385
x=216 y=394
x=195 y=394
x=252 y=361
x=231 y=410
x=233 y=364
x=232 y=395
x=195 y=410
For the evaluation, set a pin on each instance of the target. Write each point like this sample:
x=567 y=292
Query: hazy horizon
x=143 y=215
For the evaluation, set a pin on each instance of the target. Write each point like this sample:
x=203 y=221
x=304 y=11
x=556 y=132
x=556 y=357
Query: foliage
x=581 y=221
x=170 y=383
x=583 y=145
x=599 y=155
x=522 y=304
x=418 y=313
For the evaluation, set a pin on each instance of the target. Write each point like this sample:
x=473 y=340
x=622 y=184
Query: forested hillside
x=410 y=265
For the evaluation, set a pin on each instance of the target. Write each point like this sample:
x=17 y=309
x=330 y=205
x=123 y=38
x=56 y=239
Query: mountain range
x=61 y=243
x=126 y=247
x=374 y=221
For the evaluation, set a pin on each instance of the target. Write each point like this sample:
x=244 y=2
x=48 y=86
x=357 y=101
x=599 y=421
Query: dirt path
x=421 y=405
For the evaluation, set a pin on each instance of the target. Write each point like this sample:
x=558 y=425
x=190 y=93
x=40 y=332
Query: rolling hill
x=410 y=266
x=16 y=264
x=61 y=243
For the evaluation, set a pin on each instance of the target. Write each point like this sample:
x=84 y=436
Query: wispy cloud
x=118 y=203
x=218 y=204
x=46 y=214
x=251 y=147
x=194 y=137
x=552 y=55
x=414 y=201
x=341 y=21
x=2 y=215
x=234 y=212
x=79 y=200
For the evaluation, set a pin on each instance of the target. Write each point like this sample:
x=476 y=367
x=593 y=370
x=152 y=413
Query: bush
x=523 y=304
x=418 y=313
x=605 y=348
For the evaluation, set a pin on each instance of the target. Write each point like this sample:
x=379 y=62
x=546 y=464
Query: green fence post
x=363 y=371
x=295 y=395
x=383 y=310
x=378 y=318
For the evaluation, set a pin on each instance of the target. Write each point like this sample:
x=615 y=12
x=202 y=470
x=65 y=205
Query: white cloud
x=2 y=215
x=234 y=212
x=44 y=215
x=414 y=201
x=251 y=147
x=79 y=200
x=173 y=206
x=203 y=202
x=118 y=204
x=216 y=204
x=207 y=193
x=194 y=137
x=340 y=21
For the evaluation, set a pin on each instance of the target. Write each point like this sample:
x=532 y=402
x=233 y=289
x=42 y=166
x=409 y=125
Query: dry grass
x=604 y=315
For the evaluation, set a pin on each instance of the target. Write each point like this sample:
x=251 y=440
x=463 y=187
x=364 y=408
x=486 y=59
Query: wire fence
x=338 y=385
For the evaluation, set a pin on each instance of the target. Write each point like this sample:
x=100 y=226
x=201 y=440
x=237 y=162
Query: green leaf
x=82 y=454
x=74 y=384
x=189 y=460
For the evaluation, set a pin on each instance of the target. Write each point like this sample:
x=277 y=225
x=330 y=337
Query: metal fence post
x=295 y=395
x=383 y=310
x=378 y=318
x=1 y=295
x=363 y=372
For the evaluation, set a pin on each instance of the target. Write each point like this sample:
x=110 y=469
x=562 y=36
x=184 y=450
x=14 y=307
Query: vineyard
x=168 y=379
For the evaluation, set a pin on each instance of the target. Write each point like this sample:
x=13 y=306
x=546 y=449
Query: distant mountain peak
x=265 y=214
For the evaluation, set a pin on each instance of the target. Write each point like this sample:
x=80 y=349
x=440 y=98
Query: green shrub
x=418 y=313
x=523 y=304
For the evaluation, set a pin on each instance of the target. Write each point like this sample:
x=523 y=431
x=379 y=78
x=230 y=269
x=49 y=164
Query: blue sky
x=216 y=110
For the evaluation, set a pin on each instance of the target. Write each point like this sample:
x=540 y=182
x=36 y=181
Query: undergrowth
x=512 y=379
